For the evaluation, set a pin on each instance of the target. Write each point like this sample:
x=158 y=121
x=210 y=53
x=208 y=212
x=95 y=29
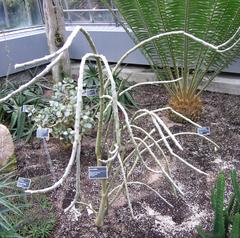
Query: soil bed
x=154 y=217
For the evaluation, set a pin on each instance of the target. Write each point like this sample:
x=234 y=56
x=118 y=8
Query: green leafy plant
x=59 y=114
x=178 y=56
x=43 y=229
x=126 y=99
x=11 y=110
x=39 y=218
x=9 y=206
x=91 y=80
x=228 y=217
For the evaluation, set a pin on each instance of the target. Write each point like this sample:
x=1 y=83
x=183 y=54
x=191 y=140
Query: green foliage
x=91 y=80
x=17 y=13
x=236 y=226
x=9 y=206
x=218 y=205
x=13 y=3
x=60 y=113
x=10 y=166
x=176 y=56
x=11 y=110
x=39 y=219
x=43 y=229
x=225 y=217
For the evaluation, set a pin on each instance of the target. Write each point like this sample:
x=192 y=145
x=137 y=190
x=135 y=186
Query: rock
x=6 y=145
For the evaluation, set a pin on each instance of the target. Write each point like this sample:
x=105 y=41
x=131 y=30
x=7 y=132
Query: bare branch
x=148 y=83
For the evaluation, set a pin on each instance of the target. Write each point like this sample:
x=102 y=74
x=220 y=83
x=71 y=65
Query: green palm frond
x=178 y=56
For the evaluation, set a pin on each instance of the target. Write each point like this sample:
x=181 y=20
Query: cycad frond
x=212 y=20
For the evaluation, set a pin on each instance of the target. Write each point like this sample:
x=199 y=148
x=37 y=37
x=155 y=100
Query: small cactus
x=228 y=217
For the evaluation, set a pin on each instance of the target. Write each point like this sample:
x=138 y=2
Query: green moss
x=10 y=166
x=59 y=41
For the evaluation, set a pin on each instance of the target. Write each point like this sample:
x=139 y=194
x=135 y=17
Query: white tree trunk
x=55 y=30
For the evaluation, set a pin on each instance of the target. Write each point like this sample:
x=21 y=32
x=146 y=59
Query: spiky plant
x=227 y=220
x=179 y=56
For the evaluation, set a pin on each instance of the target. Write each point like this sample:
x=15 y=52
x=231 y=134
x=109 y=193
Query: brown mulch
x=155 y=219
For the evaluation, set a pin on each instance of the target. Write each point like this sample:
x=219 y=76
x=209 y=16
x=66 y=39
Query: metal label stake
x=49 y=160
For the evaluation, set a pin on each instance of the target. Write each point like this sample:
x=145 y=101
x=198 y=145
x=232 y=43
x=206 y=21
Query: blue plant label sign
x=98 y=172
x=43 y=133
x=205 y=131
x=23 y=183
x=90 y=92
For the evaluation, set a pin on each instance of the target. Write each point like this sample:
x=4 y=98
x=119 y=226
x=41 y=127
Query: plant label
x=84 y=94
x=205 y=131
x=43 y=133
x=27 y=108
x=90 y=92
x=23 y=183
x=98 y=172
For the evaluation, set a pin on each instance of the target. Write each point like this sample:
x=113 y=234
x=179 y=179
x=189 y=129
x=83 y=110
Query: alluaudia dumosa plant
x=124 y=164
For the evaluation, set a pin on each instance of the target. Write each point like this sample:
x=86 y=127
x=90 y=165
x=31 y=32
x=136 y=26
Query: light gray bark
x=55 y=30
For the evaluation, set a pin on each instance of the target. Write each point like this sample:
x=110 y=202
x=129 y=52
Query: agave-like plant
x=178 y=56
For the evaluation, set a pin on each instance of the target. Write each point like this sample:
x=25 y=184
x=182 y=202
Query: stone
x=6 y=145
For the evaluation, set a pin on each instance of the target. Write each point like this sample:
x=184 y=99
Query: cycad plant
x=178 y=56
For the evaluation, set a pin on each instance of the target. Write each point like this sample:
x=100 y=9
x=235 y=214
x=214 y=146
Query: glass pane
x=16 y=13
x=96 y=4
x=3 y=21
x=76 y=4
x=104 y=17
x=91 y=11
x=19 y=13
x=35 y=12
x=78 y=17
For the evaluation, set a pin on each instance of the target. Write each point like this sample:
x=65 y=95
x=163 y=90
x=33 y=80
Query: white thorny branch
x=138 y=142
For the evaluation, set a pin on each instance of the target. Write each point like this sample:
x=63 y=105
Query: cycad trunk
x=55 y=30
x=190 y=105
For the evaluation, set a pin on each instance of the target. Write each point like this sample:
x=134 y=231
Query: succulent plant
x=59 y=114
